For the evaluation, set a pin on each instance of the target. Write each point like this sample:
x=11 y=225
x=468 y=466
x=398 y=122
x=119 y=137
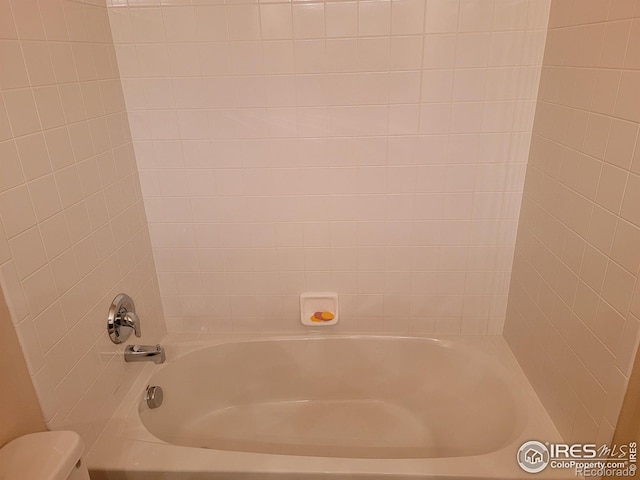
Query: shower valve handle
x=122 y=313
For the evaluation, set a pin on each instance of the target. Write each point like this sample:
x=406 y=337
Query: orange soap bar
x=322 y=317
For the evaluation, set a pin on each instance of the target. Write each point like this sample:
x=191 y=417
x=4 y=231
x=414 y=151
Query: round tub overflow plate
x=154 y=396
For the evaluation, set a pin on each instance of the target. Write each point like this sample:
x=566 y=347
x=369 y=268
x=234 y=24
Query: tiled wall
x=573 y=316
x=372 y=148
x=73 y=231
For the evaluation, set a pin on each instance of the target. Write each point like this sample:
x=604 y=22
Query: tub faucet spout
x=144 y=353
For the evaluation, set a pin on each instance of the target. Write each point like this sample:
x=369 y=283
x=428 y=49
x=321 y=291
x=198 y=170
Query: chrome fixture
x=154 y=396
x=144 y=353
x=122 y=313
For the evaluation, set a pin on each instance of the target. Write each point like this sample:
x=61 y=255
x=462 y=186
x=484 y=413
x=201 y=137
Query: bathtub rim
x=126 y=446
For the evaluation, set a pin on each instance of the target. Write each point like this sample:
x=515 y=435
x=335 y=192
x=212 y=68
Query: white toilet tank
x=44 y=456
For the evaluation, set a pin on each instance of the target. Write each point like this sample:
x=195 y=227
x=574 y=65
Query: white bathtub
x=326 y=406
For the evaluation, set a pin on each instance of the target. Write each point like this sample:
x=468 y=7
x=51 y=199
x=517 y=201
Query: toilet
x=44 y=456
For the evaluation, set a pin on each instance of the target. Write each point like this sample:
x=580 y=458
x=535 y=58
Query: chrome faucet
x=144 y=353
x=122 y=313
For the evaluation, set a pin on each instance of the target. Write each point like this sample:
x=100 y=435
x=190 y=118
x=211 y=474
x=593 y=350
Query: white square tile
x=28 y=252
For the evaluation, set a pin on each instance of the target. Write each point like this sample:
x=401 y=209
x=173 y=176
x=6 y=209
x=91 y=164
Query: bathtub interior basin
x=345 y=397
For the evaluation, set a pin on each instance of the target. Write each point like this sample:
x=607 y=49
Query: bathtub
x=366 y=407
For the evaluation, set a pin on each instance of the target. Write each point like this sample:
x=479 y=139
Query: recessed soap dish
x=320 y=302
